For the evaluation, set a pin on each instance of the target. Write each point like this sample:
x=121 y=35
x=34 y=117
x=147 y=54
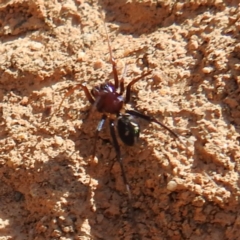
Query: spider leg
x=112 y=60
x=99 y=128
x=119 y=158
x=128 y=93
x=122 y=88
x=86 y=91
x=70 y=92
x=151 y=119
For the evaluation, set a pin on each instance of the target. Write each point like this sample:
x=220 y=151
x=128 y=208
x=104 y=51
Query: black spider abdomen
x=128 y=130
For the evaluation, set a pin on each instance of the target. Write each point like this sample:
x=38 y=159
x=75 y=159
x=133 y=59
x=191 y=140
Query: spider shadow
x=107 y=187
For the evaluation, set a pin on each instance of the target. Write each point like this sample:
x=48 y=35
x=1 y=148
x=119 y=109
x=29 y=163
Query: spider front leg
x=70 y=92
x=122 y=88
x=112 y=60
x=128 y=92
x=119 y=157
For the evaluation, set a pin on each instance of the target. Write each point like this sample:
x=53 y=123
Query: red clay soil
x=51 y=189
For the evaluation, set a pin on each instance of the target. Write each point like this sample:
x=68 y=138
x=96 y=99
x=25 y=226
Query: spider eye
x=128 y=130
x=107 y=87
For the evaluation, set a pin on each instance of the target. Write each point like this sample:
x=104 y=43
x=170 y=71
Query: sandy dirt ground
x=50 y=188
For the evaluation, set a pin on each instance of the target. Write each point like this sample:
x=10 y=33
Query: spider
x=108 y=99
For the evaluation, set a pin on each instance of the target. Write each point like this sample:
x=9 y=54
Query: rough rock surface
x=50 y=188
